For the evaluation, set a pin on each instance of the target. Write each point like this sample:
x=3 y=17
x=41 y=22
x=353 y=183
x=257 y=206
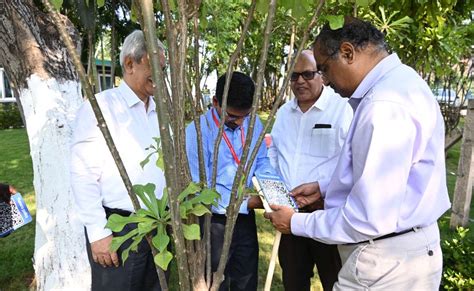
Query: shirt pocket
x=323 y=142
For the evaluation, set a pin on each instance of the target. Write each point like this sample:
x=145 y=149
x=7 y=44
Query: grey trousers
x=412 y=261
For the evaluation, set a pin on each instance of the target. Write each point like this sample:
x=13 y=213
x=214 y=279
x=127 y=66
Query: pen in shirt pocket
x=321 y=125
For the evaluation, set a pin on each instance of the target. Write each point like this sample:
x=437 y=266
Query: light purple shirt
x=391 y=173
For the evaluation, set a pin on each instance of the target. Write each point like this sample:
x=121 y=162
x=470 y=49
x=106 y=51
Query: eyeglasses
x=307 y=75
x=232 y=117
x=322 y=68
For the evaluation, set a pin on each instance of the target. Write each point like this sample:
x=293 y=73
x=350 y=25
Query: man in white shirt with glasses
x=307 y=137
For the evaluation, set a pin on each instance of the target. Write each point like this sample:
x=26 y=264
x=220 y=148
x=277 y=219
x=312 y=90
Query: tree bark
x=465 y=175
x=49 y=93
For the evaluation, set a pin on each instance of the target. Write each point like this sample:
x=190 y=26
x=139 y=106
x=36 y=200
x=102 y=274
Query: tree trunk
x=465 y=175
x=49 y=93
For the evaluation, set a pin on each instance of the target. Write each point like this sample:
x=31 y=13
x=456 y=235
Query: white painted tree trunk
x=37 y=63
x=60 y=259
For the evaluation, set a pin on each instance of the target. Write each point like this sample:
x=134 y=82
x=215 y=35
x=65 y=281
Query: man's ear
x=347 y=52
x=128 y=64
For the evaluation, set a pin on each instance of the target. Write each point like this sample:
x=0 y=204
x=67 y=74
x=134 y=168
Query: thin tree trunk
x=235 y=202
x=169 y=154
x=465 y=174
x=290 y=55
x=113 y=45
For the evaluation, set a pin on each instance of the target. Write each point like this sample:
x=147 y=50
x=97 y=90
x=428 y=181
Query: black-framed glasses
x=322 y=68
x=307 y=75
x=233 y=117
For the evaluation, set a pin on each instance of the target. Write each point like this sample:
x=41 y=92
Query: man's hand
x=280 y=218
x=254 y=202
x=101 y=253
x=306 y=194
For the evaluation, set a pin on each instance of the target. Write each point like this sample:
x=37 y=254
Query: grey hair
x=135 y=47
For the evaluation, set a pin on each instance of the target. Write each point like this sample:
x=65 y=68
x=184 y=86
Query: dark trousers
x=138 y=273
x=241 y=272
x=297 y=257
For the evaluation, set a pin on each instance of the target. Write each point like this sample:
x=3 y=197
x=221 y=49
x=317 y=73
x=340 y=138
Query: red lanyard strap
x=226 y=139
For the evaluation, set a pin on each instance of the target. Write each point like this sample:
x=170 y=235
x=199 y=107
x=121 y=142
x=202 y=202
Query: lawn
x=16 y=250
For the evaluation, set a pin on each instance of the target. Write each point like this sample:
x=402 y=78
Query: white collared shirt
x=391 y=174
x=95 y=179
x=306 y=145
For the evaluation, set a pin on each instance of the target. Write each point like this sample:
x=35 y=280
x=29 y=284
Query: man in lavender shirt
x=389 y=187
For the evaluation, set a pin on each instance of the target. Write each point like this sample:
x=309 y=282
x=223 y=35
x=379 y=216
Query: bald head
x=307 y=56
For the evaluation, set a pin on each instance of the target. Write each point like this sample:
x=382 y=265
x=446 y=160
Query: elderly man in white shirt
x=389 y=186
x=129 y=111
x=307 y=138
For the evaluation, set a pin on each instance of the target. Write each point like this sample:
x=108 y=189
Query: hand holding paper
x=307 y=195
x=280 y=217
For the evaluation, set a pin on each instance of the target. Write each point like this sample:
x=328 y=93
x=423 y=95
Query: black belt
x=121 y=212
x=393 y=234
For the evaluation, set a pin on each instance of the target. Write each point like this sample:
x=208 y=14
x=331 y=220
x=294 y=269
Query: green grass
x=16 y=250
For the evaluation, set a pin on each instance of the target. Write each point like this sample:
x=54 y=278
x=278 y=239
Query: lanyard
x=227 y=141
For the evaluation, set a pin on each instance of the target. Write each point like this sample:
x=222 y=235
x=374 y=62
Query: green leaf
x=119 y=240
x=146 y=160
x=262 y=6
x=133 y=247
x=57 y=4
x=145 y=227
x=140 y=191
x=162 y=203
x=100 y=3
x=335 y=21
x=207 y=197
x=287 y=4
x=402 y=21
x=362 y=3
x=199 y=210
x=147 y=196
x=117 y=222
x=191 y=232
x=203 y=17
x=192 y=188
x=163 y=259
x=142 y=212
x=183 y=209
x=161 y=241
x=299 y=9
x=160 y=162
x=134 y=12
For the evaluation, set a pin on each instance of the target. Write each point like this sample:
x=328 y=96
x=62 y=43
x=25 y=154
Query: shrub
x=458 y=262
x=10 y=116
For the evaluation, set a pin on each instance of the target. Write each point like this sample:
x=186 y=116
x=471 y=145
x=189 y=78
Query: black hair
x=241 y=91
x=5 y=193
x=355 y=31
